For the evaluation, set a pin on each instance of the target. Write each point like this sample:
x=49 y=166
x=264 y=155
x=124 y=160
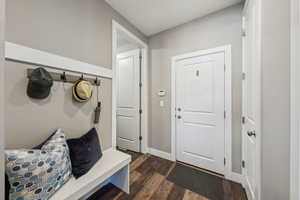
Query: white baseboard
x=236 y=177
x=160 y=154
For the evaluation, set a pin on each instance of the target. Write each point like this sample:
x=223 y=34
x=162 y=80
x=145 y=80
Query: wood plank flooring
x=148 y=182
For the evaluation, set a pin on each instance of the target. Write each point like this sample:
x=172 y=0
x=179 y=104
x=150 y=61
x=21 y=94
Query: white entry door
x=128 y=100
x=200 y=97
x=250 y=99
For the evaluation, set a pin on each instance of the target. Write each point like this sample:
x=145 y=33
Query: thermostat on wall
x=161 y=93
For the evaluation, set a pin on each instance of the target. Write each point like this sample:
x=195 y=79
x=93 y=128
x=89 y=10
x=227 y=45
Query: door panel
x=250 y=90
x=126 y=78
x=200 y=111
x=198 y=146
x=128 y=100
x=204 y=81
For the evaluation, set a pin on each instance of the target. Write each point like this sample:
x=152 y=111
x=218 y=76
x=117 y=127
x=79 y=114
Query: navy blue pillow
x=84 y=152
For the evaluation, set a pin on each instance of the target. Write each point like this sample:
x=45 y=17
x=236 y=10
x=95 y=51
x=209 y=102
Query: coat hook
x=63 y=77
x=97 y=81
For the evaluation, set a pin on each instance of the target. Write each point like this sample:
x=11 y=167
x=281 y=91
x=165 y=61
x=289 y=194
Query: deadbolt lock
x=179 y=117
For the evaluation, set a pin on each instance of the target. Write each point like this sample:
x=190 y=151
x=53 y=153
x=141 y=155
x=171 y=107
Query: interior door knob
x=251 y=133
x=179 y=117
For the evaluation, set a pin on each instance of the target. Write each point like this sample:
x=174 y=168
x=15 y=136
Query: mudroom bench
x=113 y=168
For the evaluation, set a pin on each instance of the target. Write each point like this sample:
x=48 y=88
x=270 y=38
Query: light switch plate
x=161 y=103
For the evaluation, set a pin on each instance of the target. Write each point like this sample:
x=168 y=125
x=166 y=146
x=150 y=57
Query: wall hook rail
x=69 y=78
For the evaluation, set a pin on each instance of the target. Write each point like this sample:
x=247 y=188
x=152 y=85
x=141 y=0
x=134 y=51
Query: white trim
x=114 y=87
x=160 y=154
x=228 y=100
x=228 y=109
x=295 y=98
x=238 y=178
x=173 y=107
x=119 y=27
x=144 y=103
x=258 y=63
x=113 y=166
x=144 y=78
x=25 y=54
x=2 y=98
x=258 y=110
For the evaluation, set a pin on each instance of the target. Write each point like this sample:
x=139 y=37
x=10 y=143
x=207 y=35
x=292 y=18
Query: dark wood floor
x=148 y=182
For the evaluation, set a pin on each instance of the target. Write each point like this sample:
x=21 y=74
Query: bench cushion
x=110 y=163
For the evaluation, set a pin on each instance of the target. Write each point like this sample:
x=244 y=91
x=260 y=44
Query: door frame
x=122 y=111
x=258 y=109
x=2 y=99
x=144 y=90
x=228 y=102
x=295 y=101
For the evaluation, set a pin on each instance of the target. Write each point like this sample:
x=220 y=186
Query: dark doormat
x=207 y=185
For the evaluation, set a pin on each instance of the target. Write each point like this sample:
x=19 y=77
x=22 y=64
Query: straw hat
x=82 y=90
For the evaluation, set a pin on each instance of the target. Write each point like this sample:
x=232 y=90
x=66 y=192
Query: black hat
x=40 y=83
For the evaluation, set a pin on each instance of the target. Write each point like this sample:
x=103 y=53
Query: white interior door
x=250 y=99
x=128 y=100
x=200 y=102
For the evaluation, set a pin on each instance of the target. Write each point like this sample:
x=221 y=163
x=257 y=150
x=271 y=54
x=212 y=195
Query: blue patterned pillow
x=37 y=174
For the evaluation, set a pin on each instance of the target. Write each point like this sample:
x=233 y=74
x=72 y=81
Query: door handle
x=251 y=133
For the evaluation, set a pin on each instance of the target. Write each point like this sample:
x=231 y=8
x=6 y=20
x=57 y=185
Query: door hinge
x=243 y=164
x=140 y=84
x=140 y=57
x=224 y=67
x=243 y=33
x=244 y=76
x=140 y=138
x=224 y=161
x=224 y=114
x=243 y=120
x=140 y=111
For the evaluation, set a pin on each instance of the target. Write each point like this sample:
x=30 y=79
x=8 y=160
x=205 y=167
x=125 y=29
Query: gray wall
x=72 y=28
x=221 y=28
x=2 y=16
x=275 y=99
x=29 y=122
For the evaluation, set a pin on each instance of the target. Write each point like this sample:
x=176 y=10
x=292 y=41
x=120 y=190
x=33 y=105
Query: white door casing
x=128 y=100
x=116 y=27
x=2 y=90
x=295 y=101
x=251 y=99
x=200 y=105
x=227 y=103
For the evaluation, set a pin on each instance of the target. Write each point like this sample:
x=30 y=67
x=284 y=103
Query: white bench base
x=113 y=168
